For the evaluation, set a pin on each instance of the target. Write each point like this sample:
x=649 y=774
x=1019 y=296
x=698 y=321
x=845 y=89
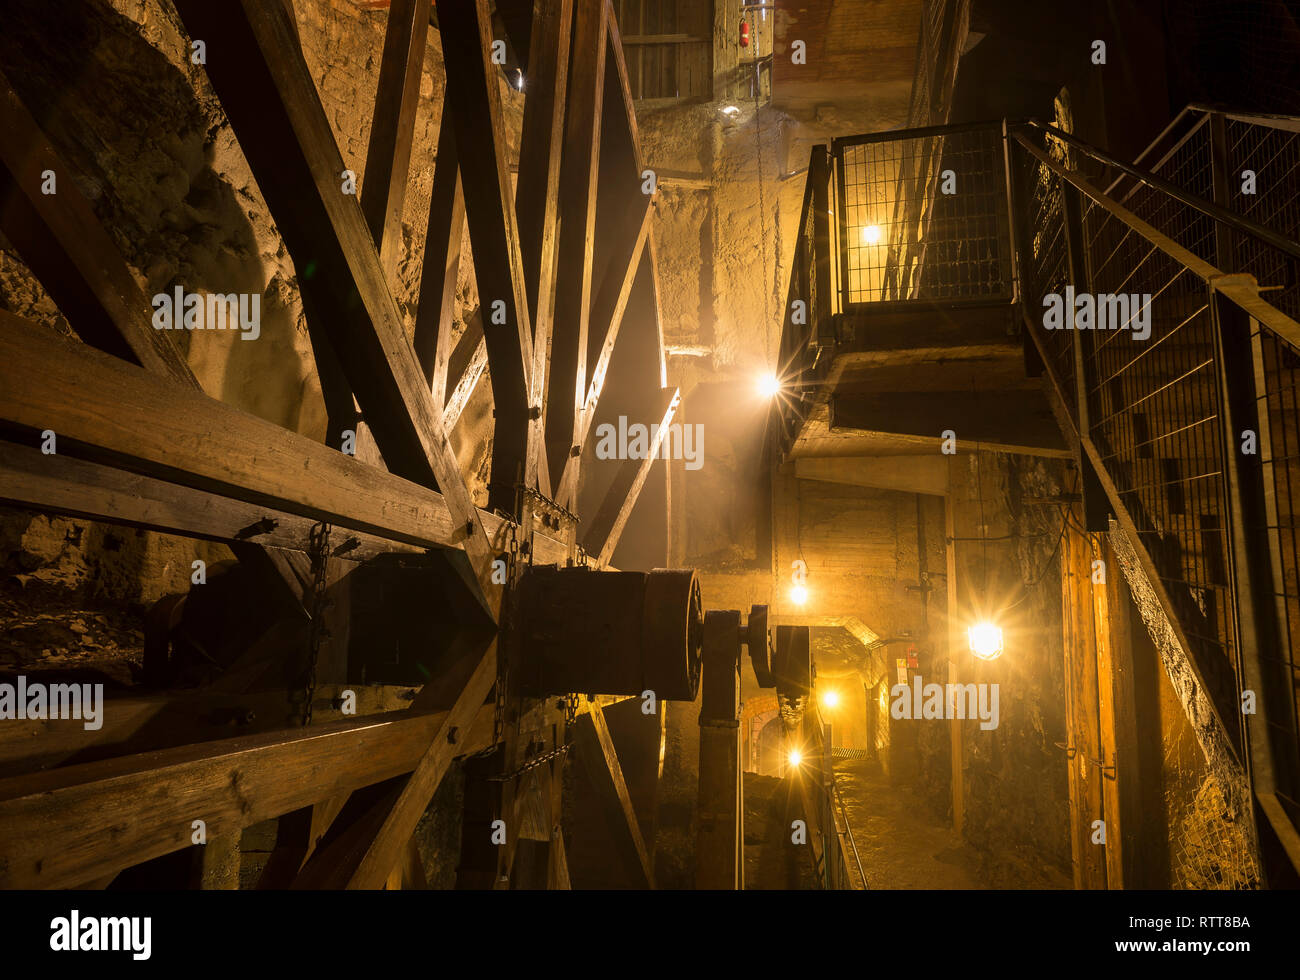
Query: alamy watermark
x=74 y=933
x=637 y=441
x=180 y=310
x=1103 y=311
x=37 y=701
x=945 y=701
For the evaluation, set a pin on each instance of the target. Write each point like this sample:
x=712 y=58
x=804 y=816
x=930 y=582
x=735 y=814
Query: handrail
x=1241 y=290
x=1245 y=225
x=848 y=829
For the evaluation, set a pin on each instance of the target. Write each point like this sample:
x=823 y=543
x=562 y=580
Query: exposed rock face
x=144 y=138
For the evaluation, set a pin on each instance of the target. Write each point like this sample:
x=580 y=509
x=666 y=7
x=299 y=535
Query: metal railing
x=1186 y=411
x=923 y=216
x=1182 y=412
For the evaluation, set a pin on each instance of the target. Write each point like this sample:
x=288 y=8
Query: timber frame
x=140 y=444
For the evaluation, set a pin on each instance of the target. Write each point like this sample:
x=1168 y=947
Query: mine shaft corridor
x=827 y=445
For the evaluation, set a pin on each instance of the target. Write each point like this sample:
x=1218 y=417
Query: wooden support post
x=596 y=748
x=1083 y=735
x=577 y=190
x=602 y=535
x=474 y=102
x=388 y=155
x=1117 y=701
x=441 y=270
x=720 y=844
x=462 y=689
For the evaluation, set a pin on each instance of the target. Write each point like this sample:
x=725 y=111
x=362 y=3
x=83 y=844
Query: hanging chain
x=318 y=549
x=532 y=763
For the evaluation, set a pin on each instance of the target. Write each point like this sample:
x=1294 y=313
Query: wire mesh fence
x=923 y=216
x=1277 y=382
x=1260 y=180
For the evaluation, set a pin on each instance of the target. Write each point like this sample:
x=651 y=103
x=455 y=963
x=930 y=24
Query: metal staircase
x=945 y=245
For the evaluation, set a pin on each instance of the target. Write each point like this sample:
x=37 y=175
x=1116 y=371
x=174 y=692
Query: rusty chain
x=318 y=550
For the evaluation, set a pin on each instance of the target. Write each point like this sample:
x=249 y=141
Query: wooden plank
x=270 y=97
x=537 y=201
x=441 y=269
x=602 y=535
x=137 y=724
x=64 y=244
x=629 y=261
x=1117 y=703
x=475 y=103
x=468 y=682
x=1083 y=725
x=112 y=412
x=601 y=760
x=388 y=154
x=63 y=485
x=578 y=195
x=56 y=823
x=469 y=380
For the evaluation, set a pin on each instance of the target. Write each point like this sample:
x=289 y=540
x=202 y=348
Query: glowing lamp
x=799 y=595
x=796 y=757
x=768 y=386
x=985 y=641
x=871 y=234
x=830 y=699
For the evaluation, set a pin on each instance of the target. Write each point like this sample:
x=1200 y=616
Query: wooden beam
x=56 y=822
x=62 y=241
x=1117 y=701
x=132 y=725
x=111 y=412
x=441 y=269
x=475 y=104
x=270 y=97
x=601 y=760
x=992 y=418
x=602 y=536
x=537 y=199
x=63 y=485
x=628 y=262
x=1083 y=734
x=388 y=154
x=578 y=194
x=465 y=686
x=469 y=380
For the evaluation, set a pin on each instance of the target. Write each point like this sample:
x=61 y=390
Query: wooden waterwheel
x=565 y=269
